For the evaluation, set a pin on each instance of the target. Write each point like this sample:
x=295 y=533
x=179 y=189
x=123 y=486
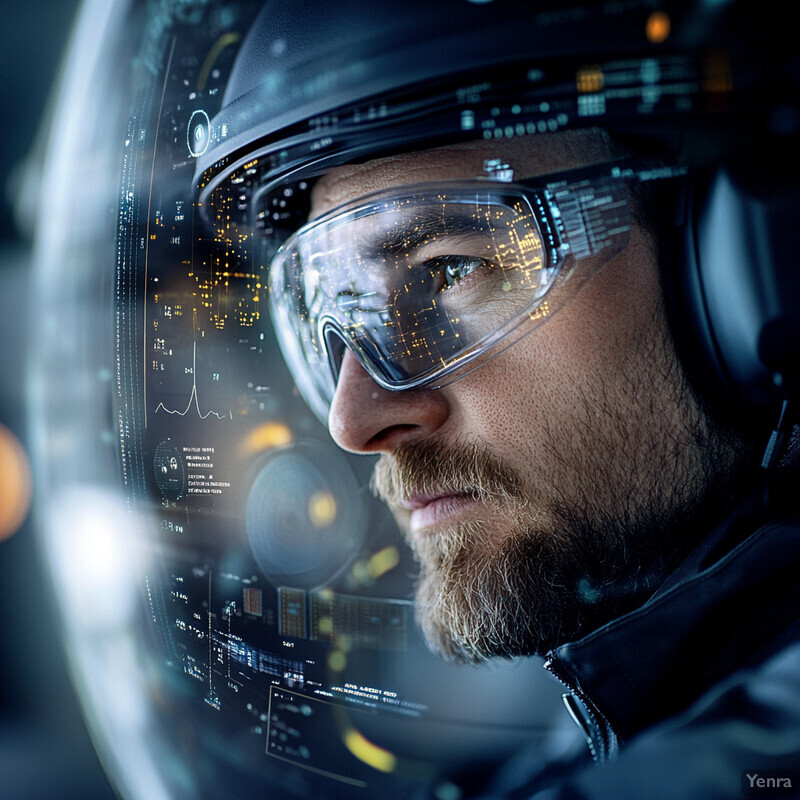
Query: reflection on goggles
x=419 y=281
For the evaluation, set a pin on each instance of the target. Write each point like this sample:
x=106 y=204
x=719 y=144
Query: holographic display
x=238 y=602
x=274 y=590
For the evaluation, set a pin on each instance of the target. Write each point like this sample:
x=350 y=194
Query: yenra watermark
x=769 y=783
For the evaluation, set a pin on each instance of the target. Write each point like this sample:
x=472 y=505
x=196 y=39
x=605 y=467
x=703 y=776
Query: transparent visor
x=424 y=283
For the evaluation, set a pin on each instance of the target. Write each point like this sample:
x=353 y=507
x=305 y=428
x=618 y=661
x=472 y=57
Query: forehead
x=527 y=156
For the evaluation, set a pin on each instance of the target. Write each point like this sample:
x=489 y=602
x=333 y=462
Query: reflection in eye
x=455 y=268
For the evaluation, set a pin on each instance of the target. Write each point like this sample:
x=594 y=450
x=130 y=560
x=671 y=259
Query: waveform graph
x=194 y=405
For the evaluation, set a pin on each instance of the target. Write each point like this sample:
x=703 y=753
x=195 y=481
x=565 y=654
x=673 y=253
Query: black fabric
x=694 y=690
x=747 y=725
x=732 y=613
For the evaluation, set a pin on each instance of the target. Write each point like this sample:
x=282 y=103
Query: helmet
x=234 y=601
x=399 y=79
x=709 y=86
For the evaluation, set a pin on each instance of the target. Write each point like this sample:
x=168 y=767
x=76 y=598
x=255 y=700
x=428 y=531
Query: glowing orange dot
x=658 y=27
x=15 y=484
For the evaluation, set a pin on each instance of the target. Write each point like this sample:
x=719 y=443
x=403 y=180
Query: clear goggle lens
x=424 y=283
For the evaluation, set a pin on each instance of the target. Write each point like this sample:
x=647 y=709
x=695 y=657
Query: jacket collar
x=731 y=604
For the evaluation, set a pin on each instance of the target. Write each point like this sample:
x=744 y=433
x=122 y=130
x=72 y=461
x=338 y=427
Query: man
x=554 y=489
x=548 y=491
x=548 y=443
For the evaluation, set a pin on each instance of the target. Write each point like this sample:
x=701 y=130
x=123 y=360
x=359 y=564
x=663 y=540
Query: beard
x=558 y=550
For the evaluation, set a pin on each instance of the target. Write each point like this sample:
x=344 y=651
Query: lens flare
x=658 y=27
x=368 y=752
x=266 y=437
x=15 y=484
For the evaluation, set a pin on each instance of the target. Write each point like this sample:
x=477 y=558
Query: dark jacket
x=695 y=692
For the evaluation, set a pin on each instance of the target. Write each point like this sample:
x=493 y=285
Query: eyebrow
x=424 y=227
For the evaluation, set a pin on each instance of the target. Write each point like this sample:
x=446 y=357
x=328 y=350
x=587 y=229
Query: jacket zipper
x=601 y=738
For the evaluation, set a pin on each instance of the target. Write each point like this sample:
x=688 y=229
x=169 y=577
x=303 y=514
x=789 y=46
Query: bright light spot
x=590 y=80
x=337 y=661
x=658 y=27
x=383 y=561
x=364 y=750
x=92 y=542
x=360 y=572
x=15 y=484
x=322 y=509
x=267 y=436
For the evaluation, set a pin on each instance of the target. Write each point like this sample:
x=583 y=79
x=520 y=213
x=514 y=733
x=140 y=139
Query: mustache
x=431 y=468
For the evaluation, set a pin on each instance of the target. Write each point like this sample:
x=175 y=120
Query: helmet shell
x=317 y=85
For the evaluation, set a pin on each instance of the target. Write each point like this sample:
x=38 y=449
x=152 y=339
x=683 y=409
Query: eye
x=453 y=268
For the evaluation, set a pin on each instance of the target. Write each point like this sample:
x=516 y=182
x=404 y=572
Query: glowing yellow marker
x=322 y=509
x=267 y=436
x=368 y=752
x=590 y=79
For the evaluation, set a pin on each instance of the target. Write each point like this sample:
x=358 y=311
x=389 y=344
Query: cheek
x=560 y=379
x=516 y=399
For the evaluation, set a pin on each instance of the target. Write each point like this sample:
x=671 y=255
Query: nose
x=366 y=418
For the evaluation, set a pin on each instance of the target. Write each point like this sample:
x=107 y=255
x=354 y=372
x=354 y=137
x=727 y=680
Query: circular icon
x=169 y=470
x=305 y=522
x=198 y=133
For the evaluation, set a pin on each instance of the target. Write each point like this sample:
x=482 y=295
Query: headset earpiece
x=739 y=287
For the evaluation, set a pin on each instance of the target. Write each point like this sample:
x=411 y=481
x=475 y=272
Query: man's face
x=549 y=490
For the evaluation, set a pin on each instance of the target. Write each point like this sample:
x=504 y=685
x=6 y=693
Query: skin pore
x=554 y=487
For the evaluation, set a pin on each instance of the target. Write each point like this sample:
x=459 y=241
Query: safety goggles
x=425 y=283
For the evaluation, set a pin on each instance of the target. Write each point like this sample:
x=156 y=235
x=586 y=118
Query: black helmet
x=713 y=86
x=315 y=85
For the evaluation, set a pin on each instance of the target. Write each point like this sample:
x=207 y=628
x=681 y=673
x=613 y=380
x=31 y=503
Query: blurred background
x=45 y=751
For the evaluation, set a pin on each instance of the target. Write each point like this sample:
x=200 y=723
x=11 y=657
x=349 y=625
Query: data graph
x=194 y=399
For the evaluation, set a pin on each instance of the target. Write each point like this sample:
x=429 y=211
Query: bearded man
x=537 y=299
